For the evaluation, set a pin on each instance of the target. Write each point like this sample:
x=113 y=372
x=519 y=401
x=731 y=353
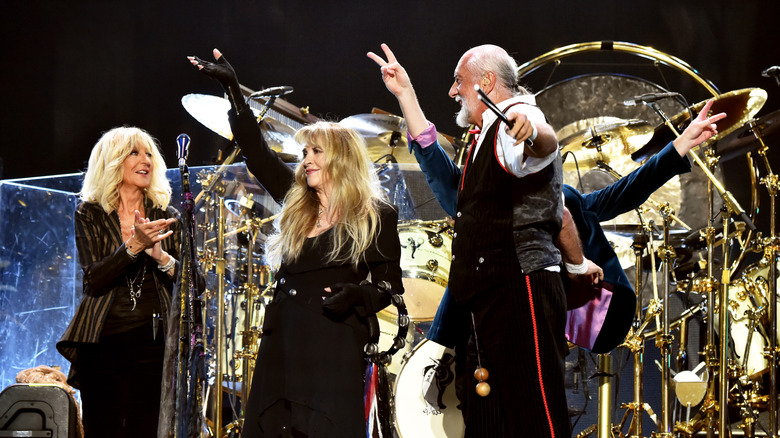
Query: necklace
x=134 y=295
x=319 y=213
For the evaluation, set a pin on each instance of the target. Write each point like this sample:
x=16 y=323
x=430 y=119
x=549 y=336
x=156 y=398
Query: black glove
x=223 y=72
x=365 y=299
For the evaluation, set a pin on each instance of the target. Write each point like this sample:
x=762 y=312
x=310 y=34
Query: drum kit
x=735 y=375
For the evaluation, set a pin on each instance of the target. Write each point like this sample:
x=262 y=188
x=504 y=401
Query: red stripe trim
x=495 y=153
x=538 y=358
x=468 y=160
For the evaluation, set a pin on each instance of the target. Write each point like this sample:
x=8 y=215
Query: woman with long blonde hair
x=337 y=251
x=115 y=341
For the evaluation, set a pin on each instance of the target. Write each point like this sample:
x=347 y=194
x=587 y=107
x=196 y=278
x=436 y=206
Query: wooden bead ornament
x=483 y=388
x=481 y=374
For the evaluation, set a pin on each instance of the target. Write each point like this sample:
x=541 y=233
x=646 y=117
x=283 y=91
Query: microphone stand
x=190 y=378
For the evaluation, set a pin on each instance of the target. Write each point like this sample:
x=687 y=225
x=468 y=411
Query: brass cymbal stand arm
x=635 y=341
x=706 y=414
x=247 y=336
x=723 y=329
x=732 y=203
x=217 y=175
x=664 y=342
x=606 y=399
x=219 y=344
x=771 y=252
x=640 y=351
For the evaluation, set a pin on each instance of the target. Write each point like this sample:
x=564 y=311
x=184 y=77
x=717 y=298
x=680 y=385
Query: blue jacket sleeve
x=442 y=174
x=633 y=189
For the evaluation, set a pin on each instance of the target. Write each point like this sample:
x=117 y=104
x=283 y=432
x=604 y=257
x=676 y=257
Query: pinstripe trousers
x=520 y=333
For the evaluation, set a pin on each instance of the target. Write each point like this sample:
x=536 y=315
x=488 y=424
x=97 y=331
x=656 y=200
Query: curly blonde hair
x=355 y=200
x=106 y=166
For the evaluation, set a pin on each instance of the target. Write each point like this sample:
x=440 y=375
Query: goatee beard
x=463 y=116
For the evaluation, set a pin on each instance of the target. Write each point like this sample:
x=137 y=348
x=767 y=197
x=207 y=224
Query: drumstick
x=484 y=97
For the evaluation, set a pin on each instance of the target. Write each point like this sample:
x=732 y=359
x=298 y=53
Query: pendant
x=134 y=295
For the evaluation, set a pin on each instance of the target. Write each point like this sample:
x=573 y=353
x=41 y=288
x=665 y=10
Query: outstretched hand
x=221 y=70
x=701 y=129
x=394 y=75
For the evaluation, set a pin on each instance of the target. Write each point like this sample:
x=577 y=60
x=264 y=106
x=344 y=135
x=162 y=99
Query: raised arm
x=397 y=82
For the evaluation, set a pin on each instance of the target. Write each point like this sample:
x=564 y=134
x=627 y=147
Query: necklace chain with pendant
x=135 y=294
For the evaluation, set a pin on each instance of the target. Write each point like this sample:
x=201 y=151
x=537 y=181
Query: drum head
x=412 y=414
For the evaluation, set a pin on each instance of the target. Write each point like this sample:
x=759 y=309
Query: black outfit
x=115 y=347
x=308 y=379
x=505 y=227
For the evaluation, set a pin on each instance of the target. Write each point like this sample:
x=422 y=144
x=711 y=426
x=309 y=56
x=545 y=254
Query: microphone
x=182 y=148
x=649 y=97
x=273 y=91
x=771 y=72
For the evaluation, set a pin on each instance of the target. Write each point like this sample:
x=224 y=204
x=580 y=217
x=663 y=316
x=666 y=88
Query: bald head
x=487 y=58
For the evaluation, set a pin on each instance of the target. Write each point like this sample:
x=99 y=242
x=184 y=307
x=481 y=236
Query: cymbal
x=606 y=139
x=744 y=140
x=385 y=134
x=739 y=106
x=211 y=112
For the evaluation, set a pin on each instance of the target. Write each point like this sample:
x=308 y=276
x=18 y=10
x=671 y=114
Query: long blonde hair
x=106 y=166
x=355 y=199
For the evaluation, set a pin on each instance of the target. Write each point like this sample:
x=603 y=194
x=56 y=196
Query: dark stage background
x=74 y=70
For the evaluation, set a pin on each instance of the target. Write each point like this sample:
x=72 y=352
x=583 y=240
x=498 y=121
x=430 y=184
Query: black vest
x=505 y=226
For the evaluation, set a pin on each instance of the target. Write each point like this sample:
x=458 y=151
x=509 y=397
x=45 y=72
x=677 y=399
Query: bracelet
x=577 y=269
x=168 y=266
x=133 y=255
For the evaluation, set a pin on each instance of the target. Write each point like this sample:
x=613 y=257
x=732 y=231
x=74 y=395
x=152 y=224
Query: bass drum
x=412 y=415
x=426 y=253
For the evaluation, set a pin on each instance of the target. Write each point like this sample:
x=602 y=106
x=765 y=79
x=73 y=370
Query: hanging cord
x=481 y=374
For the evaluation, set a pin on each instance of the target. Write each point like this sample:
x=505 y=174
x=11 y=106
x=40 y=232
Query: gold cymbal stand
x=249 y=335
x=664 y=341
x=771 y=252
x=706 y=415
x=635 y=342
x=219 y=343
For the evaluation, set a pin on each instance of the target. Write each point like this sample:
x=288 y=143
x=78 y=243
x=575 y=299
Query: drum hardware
x=602 y=139
x=385 y=134
x=211 y=112
x=622 y=137
x=635 y=341
x=749 y=138
x=606 y=401
x=220 y=326
x=771 y=248
x=664 y=341
x=462 y=146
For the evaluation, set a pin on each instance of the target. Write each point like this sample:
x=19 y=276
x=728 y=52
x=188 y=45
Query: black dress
x=308 y=378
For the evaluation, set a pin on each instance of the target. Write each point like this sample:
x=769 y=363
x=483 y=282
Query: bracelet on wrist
x=577 y=269
x=167 y=266
x=129 y=248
